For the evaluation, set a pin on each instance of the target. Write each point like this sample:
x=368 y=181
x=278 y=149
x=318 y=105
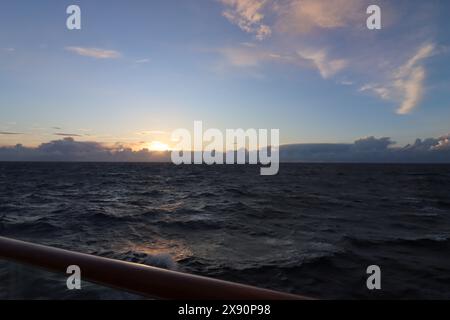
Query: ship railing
x=146 y=281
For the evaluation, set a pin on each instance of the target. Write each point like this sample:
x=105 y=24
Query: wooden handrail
x=137 y=278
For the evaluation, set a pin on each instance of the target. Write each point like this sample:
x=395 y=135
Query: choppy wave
x=313 y=229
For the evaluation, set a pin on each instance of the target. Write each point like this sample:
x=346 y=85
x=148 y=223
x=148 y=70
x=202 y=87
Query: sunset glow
x=157 y=146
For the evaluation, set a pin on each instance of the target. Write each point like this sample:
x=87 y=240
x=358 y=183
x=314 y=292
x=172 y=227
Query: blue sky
x=137 y=70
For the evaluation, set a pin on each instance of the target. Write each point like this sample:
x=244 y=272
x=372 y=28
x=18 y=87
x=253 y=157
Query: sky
x=137 y=70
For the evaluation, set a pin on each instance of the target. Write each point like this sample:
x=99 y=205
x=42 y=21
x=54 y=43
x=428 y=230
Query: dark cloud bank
x=68 y=149
x=369 y=150
x=364 y=150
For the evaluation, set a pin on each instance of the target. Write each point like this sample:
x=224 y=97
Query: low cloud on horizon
x=6 y=133
x=371 y=150
x=367 y=150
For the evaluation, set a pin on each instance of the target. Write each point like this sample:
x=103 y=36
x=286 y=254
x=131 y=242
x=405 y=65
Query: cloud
x=248 y=55
x=443 y=143
x=253 y=56
x=304 y=16
x=9 y=133
x=370 y=150
x=95 y=52
x=293 y=16
x=305 y=32
x=142 y=61
x=410 y=77
x=151 y=132
x=412 y=88
x=367 y=150
x=9 y=50
x=68 y=149
x=248 y=15
x=405 y=84
x=326 y=66
x=382 y=92
x=67 y=134
x=373 y=144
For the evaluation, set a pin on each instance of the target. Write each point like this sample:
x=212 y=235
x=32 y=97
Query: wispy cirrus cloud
x=405 y=84
x=327 y=66
x=94 y=52
x=254 y=56
x=139 y=61
x=409 y=79
x=381 y=91
x=250 y=56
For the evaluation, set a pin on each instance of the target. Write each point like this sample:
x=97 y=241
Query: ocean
x=313 y=229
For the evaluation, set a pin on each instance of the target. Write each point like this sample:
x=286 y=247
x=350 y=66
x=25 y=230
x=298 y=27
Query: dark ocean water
x=313 y=229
